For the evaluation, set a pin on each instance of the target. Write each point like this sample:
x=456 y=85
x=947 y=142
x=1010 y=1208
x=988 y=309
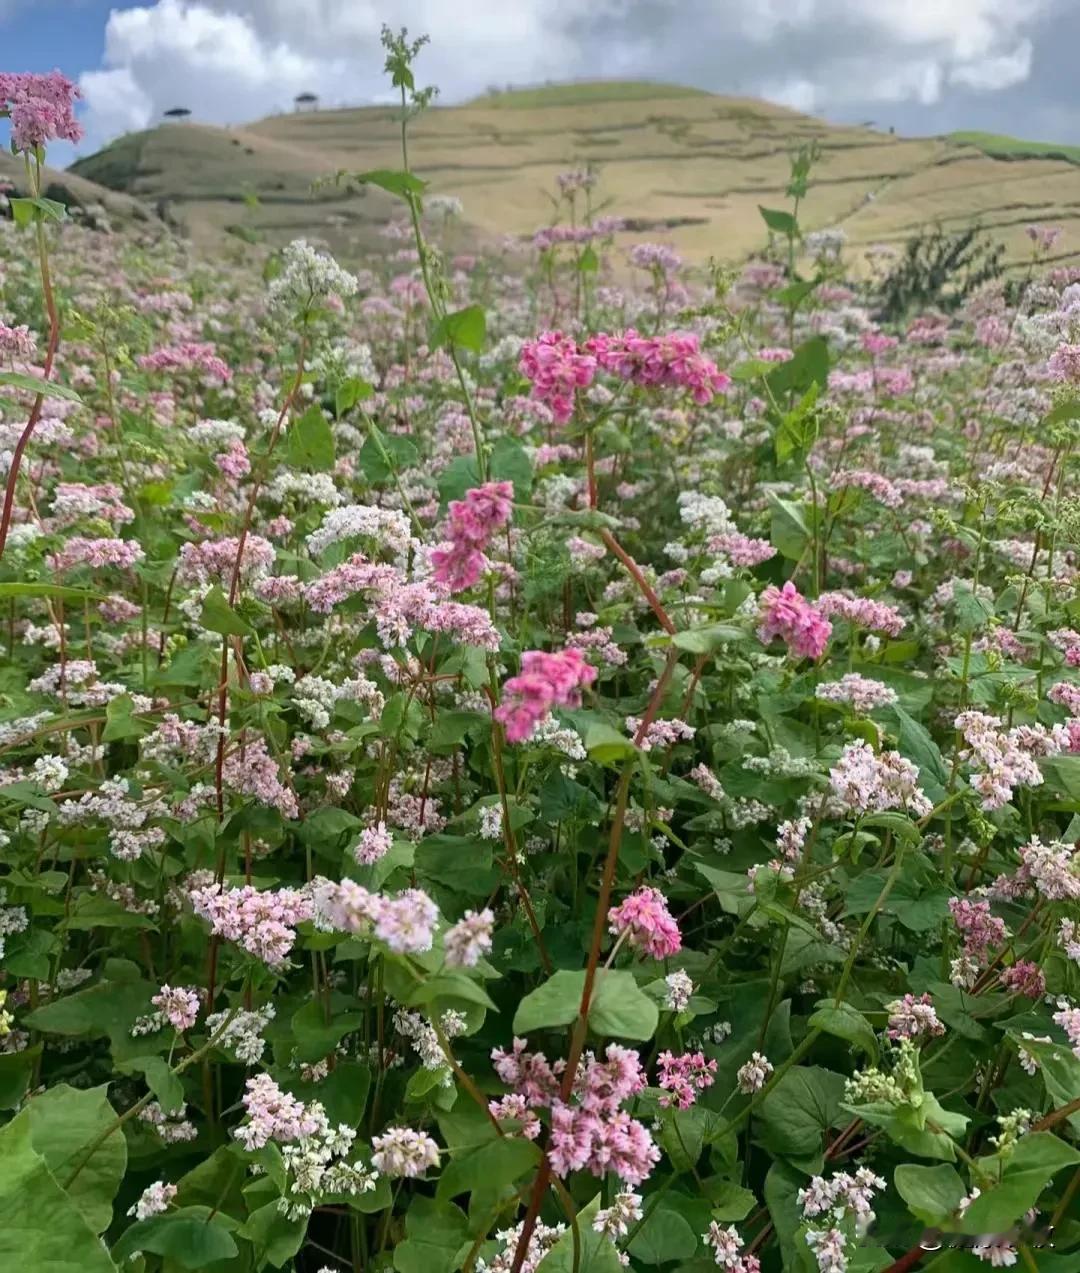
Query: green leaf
x=779 y=221
x=789 y=531
x=508 y=463
x=845 y=1022
x=664 y=1236
x=276 y=1237
x=316 y=1037
x=188 y=1236
x=501 y=1159
x=15 y=1071
x=556 y=1002
x=1062 y=774
x=26 y=210
x=402 y=184
x=218 y=616
x=731 y=889
x=792 y=296
x=794 y=1117
x=46 y=388
x=58 y=591
x=730 y=1201
x=597 y=1254
x=384 y=454
x=710 y=638
x=350 y=392
x=464 y=329
x=310 y=441
x=64 y=1123
x=683 y=1133
x=1067 y=410
x=119 y=721
x=972 y=612
x=798 y=429
x=435 y=1233
x=809 y=365
x=160 y=1079
x=750 y=369
x=41 y=1228
x=1025 y=1172
x=621 y=1008
x=932 y=1193
x=606 y=745
x=588 y=262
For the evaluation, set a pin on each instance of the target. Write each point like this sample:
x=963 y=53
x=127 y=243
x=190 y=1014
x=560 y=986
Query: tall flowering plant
x=549 y=760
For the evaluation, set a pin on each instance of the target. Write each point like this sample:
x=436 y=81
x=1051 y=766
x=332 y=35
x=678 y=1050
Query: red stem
x=39 y=400
x=577 y=1043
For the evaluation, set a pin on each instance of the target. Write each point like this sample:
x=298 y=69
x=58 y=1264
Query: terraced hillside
x=100 y=205
x=681 y=165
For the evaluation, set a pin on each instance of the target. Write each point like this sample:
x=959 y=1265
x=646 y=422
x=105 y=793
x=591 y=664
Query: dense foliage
x=538 y=761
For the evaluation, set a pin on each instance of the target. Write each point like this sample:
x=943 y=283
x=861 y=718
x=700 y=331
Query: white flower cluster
x=315 y=697
x=215 y=433
x=13 y=919
x=308 y=278
x=313 y=1171
x=385 y=525
x=303 y=488
x=243 y=1035
x=708 y=513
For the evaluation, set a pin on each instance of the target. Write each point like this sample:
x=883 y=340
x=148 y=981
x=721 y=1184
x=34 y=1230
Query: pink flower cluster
x=862 y=612
x=179 y=1005
x=1051 y=869
x=672 y=361
x=684 y=1077
x=1064 y=363
x=727 y=1249
x=979 y=929
x=1003 y=759
x=73 y=500
x=17 y=342
x=660 y=733
x=213 y=560
x=786 y=613
x=406 y=923
x=262 y=922
x=545 y=681
x=648 y=924
x=472 y=522
x=192 y=356
x=275 y=1115
x=557 y=369
x=1024 y=978
x=741 y=549
x=42 y=108
x=913 y=1017
x=590 y=1132
x=252 y=771
x=96 y=553
x=866 y=782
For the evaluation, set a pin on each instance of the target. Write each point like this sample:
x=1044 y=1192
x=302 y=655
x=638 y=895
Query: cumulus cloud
x=236 y=60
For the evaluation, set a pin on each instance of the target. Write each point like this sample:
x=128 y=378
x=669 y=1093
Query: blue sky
x=921 y=66
x=42 y=34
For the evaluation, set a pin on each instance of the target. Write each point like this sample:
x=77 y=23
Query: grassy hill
x=683 y=166
x=99 y=204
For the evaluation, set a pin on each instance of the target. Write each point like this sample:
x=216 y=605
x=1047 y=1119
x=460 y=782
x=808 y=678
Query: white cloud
x=995 y=73
x=235 y=60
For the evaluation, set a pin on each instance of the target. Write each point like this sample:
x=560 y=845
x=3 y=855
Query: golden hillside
x=683 y=166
